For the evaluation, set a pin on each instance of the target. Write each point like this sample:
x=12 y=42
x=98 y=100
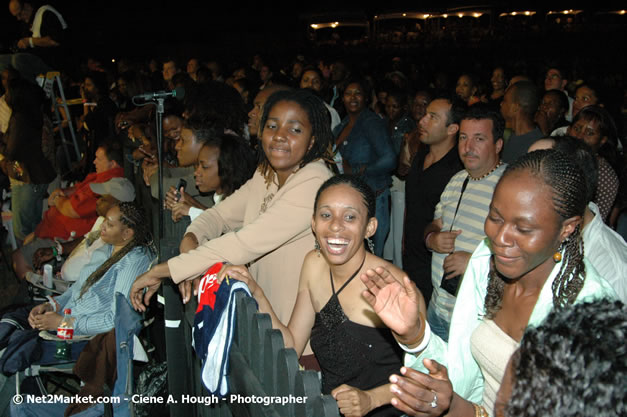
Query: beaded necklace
x=485 y=175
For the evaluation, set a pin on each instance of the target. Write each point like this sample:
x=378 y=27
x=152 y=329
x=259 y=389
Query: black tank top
x=351 y=353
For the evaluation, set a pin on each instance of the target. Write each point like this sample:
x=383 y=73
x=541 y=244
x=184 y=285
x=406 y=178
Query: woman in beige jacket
x=267 y=222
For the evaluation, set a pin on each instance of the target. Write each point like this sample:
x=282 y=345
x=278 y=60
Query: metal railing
x=264 y=376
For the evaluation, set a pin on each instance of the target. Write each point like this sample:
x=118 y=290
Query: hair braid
x=572 y=272
x=569 y=187
x=132 y=216
x=494 y=295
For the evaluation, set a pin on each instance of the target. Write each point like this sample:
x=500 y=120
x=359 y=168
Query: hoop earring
x=317 y=247
x=370 y=244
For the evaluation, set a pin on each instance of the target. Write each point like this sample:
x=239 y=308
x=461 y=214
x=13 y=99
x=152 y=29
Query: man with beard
x=432 y=168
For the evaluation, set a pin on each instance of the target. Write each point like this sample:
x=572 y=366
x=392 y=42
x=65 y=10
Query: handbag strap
x=461 y=194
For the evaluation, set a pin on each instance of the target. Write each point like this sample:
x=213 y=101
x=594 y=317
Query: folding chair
x=128 y=323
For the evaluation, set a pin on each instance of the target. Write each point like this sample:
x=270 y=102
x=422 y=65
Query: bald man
x=39 y=50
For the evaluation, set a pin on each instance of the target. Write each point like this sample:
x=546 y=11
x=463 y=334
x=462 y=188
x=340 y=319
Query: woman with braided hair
x=531 y=262
x=127 y=253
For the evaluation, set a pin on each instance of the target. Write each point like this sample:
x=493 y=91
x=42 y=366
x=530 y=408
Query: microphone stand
x=158 y=99
x=159 y=122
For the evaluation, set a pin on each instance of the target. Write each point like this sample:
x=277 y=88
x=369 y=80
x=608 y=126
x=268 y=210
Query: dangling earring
x=317 y=247
x=370 y=244
x=557 y=256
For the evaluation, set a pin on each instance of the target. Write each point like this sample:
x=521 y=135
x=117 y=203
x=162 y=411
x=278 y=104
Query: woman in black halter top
x=356 y=351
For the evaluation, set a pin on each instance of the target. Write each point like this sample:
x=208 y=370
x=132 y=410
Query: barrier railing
x=264 y=376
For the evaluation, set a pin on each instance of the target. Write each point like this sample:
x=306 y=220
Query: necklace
x=485 y=175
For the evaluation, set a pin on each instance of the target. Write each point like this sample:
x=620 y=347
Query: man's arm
x=433 y=227
x=64 y=205
x=43 y=42
x=438 y=241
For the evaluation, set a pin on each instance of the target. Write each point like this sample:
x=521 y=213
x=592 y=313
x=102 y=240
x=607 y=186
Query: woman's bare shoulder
x=313 y=265
x=375 y=261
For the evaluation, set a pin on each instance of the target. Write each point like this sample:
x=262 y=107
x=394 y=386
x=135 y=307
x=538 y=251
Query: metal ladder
x=47 y=82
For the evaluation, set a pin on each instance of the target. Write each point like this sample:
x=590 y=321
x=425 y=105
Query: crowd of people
x=462 y=226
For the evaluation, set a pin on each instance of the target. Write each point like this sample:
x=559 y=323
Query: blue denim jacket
x=368 y=144
x=405 y=125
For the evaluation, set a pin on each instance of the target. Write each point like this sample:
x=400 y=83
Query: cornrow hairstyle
x=133 y=217
x=355 y=182
x=583 y=154
x=567 y=181
x=577 y=359
x=319 y=118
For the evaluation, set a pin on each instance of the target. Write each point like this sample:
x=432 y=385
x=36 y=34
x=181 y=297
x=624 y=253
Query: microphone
x=178 y=93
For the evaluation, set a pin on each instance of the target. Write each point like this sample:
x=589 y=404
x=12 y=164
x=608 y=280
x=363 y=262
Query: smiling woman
x=286 y=138
x=531 y=262
x=364 y=142
x=127 y=251
x=356 y=352
x=266 y=222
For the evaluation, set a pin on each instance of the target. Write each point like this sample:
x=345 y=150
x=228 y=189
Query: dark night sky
x=140 y=27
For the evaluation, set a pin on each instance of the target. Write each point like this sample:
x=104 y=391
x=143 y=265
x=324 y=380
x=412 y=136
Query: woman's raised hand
x=397 y=304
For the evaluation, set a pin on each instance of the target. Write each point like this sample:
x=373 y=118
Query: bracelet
x=421 y=335
x=480 y=411
x=423 y=344
x=30 y=42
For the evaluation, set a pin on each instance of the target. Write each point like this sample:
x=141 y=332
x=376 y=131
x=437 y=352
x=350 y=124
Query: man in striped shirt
x=457 y=226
